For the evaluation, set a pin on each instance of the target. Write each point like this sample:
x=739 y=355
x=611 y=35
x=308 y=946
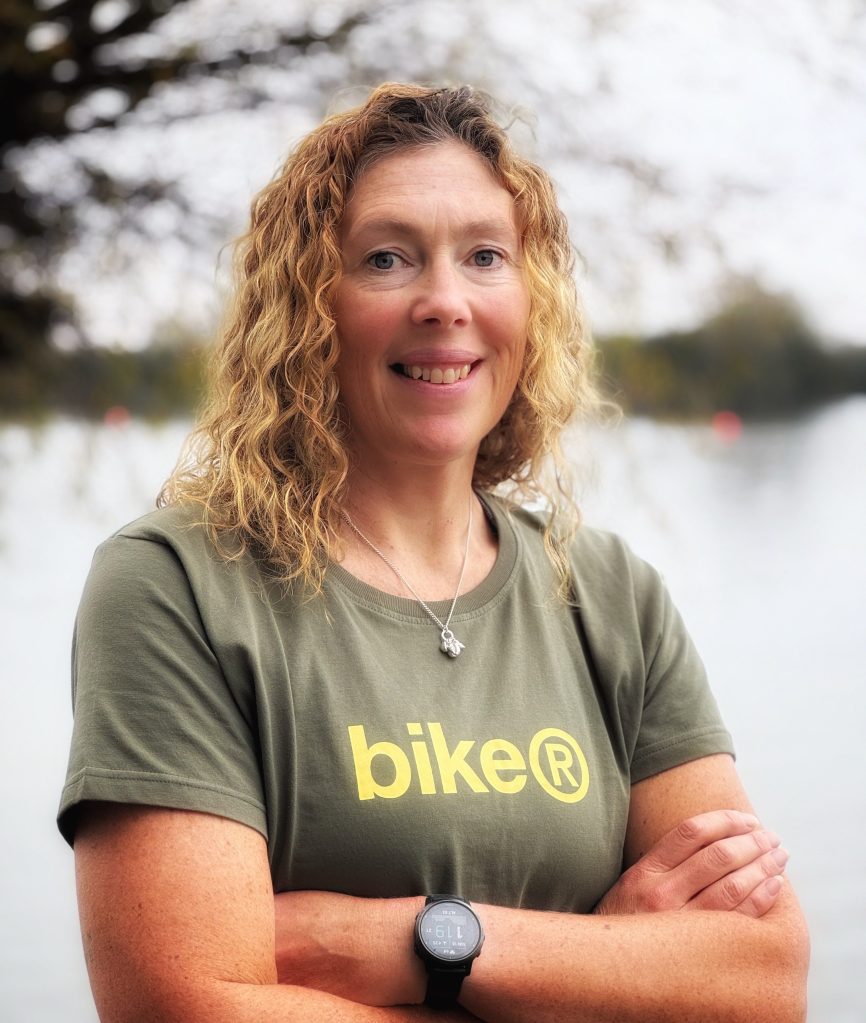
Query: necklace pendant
x=450 y=644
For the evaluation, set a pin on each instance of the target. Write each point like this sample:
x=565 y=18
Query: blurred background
x=711 y=157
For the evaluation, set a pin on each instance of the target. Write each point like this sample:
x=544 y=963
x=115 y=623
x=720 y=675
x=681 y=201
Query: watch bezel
x=430 y=954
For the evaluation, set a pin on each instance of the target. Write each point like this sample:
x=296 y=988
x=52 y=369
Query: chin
x=439 y=453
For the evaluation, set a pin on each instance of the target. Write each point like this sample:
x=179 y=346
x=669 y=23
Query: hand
x=722 y=860
x=323 y=941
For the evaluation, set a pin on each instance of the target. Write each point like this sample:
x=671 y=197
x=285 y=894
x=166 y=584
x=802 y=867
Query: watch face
x=450 y=931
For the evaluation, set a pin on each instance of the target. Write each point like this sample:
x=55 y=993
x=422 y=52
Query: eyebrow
x=394 y=225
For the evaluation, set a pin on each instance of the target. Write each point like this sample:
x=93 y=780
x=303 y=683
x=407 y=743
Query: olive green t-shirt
x=372 y=763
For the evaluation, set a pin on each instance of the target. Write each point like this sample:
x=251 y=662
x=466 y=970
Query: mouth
x=442 y=375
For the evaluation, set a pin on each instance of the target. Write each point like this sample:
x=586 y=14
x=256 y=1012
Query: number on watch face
x=449 y=931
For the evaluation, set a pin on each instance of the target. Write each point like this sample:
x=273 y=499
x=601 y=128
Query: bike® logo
x=386 y=770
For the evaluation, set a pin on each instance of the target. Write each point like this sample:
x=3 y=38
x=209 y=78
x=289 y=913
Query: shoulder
x=613 y=584
x=609 y=581
x=595 y=555
x=161 y=577
x=166 y=549
x=606 y=558
x=180 y=529
x=177 y=526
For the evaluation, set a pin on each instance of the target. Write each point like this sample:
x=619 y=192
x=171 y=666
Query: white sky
x=759 y=95
x=756 y=114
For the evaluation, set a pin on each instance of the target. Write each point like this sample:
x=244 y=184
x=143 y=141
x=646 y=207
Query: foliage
x=160 y=382
x=755 y=356
x=102 y=99
x=73 y=68
x=78 y=77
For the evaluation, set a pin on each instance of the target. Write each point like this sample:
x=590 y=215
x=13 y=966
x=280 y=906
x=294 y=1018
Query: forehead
x=447 y=180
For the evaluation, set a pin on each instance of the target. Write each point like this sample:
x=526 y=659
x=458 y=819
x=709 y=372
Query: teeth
x=437 y=375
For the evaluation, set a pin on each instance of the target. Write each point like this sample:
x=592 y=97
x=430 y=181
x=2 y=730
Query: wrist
x=447 y=940
x=409 y=968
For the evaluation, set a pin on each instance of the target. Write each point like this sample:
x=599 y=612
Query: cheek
x=516 y=342
x=363 y=323
x=515 y=310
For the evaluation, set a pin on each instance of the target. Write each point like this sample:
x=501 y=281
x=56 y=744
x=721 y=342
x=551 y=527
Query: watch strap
x=443 y=981
x=443 y=986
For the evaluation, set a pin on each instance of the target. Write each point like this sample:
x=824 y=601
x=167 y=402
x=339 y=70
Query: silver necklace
x=448 y=642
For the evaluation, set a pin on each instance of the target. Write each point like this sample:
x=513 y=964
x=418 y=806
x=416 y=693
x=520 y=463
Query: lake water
x=762 y=542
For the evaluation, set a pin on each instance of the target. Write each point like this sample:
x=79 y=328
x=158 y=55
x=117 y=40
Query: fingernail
x=774 y=884
x=781 y=856
x=774 y=838
x=750 y=820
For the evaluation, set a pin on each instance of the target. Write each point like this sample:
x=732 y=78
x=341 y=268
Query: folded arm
x=659 y=948
x=177 y=918
x=683 y=962
x=670 y=966
x=177 y=915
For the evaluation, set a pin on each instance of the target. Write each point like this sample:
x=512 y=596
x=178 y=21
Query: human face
x=432 y=307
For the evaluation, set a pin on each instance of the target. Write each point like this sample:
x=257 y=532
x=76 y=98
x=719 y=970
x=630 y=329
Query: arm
x=178 y=926
x=668 y=965
x=649 y=960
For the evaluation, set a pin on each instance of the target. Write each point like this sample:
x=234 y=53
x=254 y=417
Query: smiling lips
x=437 y=374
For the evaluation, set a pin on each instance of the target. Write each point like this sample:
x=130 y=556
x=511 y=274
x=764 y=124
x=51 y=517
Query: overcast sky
x=753 y=115
x=770 y=96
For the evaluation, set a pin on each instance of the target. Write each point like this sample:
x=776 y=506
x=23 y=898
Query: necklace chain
x=449 y=644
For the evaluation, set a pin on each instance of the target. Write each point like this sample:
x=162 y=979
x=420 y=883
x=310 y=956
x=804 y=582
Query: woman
x=335 y=667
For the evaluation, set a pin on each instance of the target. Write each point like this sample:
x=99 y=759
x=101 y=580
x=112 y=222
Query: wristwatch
x=448 y=938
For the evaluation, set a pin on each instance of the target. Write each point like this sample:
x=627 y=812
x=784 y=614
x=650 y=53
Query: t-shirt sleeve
x=659 y=707
x=680 y=718
x=156 y=722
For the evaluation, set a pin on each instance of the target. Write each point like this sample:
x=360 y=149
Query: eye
x=486 y=258
x=383 y=260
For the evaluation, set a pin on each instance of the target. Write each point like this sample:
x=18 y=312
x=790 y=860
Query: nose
x=441 y=297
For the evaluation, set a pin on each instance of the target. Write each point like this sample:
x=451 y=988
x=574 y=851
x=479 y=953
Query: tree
x=70 y=68
x=83 y=82
x=73 y=72
x=756 y=355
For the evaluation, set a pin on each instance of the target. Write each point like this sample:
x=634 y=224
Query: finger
x=715 y=863
x=694 y=834
x=738 y=886
x=763 y=897
x=720 y=860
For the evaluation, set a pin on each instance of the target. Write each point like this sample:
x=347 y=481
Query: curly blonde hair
x=267 y=461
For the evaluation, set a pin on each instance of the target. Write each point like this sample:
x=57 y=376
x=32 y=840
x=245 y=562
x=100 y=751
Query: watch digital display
x=449 y=931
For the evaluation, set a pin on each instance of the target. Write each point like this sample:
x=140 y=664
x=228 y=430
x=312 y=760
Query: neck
x=412 y=507
x=420 y=525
